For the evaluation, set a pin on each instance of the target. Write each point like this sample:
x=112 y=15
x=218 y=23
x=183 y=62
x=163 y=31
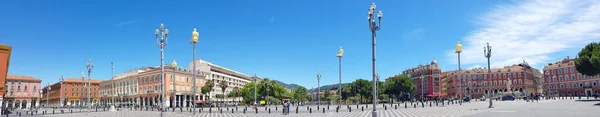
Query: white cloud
x=127 y=22
x=413 y=34
x=531 y=30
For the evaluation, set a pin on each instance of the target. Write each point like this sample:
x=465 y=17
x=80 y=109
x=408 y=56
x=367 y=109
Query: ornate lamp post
x=194 y=41
x=255 y=83
x=422 y=98
x=161 y=40
x=487 y=52
x=340 y=55
x=374 y=27
x=89 y=67
x=318 y=89
x=458 y=51
x=62 y=80
x=48 y=94
x=112 y=69
x=174 y=66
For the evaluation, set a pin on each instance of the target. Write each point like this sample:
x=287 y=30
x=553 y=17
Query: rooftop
x=24 y=78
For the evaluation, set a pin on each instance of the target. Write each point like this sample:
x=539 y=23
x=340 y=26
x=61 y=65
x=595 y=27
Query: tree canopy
x=265 y=87
x=301 y=94
x=589 y=60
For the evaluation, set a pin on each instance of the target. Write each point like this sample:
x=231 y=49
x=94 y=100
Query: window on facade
x=155 y=78
x=18 y=87
x=19 y=82
x=25 y=87
x=559 y=71
x=565 y=70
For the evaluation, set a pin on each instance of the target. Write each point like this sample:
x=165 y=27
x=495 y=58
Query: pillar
x=185 y=101
x=168 y=101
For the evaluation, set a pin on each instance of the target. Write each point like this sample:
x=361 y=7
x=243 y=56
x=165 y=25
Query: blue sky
x=287 y=40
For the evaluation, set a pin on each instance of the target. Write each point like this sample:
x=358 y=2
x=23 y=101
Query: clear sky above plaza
x=290 y=40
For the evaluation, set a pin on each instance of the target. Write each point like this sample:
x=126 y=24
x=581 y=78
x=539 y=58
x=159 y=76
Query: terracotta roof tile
x=24 y=78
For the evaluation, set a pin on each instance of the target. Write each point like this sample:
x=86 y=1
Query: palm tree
x=207 y=88
x=235 y=92
x=223 y=86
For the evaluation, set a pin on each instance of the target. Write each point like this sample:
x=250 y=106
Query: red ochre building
x=475 y=81
x=5 y=51
x=562 y=79
x=427 y=79
x=70 y=92
x=22 y=91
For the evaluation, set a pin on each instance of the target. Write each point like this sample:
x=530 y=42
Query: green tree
x=234 y=93
x=589 y=60
x=247 y=93
x=207 y=88
x=223 y=85
x=399 y=85
x=326 y=95
x=301 y=94
x=364 y=89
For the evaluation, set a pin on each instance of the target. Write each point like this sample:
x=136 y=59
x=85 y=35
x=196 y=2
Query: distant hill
x=288 y=86
x=329 y=87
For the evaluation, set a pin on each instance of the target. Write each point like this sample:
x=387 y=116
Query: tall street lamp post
x=340 y=55
x=62 y=80
x=255 y=83
x=174 y=66
x=194 y=41
x=90 y=67
x=422 y=98
x=318 y=89
x=112 y=69
x=374 y=27
x=487 y=52
x=48 y=94
x=161 y=41
x=458 y=51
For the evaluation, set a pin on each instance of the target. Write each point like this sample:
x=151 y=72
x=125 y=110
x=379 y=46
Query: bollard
x=327 y=107
x=265 y=108
x=429 y=104
x=415 y=105
x=310 y=111
x=306 y=107
x=362 y=108
x=220 y=110
x=296 y=110
x=256 y=110
x=356 y=105
x=61 y=111
x=210 y=110
x=276 y=108
x=323 y=109
x=180 y=109
x=318 y=107
x=269 y=110
x=350 y=109
x=395 y=106
x=52 y=111
x=232 y=110
x=244 y=111
x=337 y=109
x=405 y=105
x=71 y=111
x=436 y=103
x=384 y=107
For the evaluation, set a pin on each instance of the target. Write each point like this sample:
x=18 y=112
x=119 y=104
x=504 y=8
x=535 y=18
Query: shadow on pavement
x=587 y=100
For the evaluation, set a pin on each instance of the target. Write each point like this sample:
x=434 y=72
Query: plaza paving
x=545 y=108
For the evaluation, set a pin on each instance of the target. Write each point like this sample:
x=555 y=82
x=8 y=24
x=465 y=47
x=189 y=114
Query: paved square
x=545 y=108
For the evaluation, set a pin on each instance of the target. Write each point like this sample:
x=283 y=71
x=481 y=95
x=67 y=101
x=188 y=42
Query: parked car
x=596 y=95
x=467 y=99
x=508 y=97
